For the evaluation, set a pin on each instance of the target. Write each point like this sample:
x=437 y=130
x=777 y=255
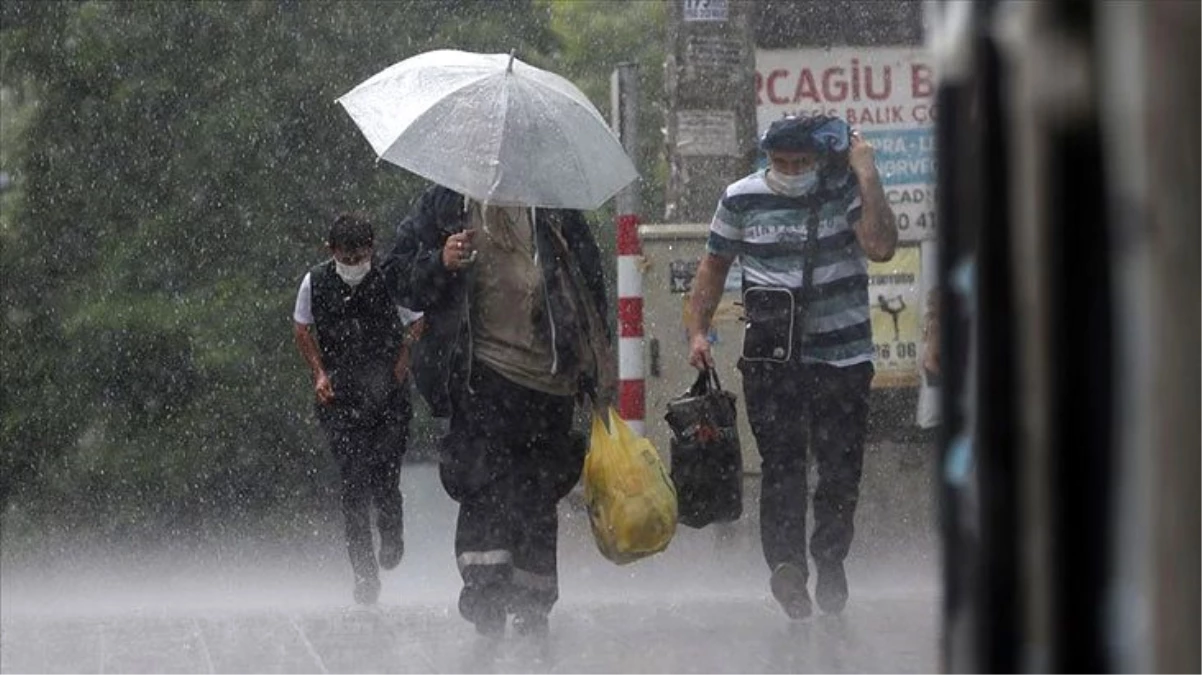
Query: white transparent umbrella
x=493 y=128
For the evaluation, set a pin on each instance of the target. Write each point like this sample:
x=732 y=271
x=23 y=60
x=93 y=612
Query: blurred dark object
x=707 y=461
x=1068 y=173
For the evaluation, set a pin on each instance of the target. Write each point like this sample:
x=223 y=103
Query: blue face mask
x=795 y=184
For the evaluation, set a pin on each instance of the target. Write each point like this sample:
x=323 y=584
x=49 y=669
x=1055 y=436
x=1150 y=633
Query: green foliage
x=174 y=168
x=595 y=37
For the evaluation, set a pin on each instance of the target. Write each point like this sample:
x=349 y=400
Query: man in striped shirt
x=803 y=229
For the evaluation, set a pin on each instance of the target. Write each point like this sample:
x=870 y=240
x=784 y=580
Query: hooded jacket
x=570 y=267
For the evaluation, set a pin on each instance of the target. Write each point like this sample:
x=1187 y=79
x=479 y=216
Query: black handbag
x=707 y=459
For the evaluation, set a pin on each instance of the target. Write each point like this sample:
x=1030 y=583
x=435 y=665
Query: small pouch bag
x=775 y=314
x=771 y=322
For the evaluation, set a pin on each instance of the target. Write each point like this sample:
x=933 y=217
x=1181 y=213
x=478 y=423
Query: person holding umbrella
x=515 y=301
x=498 y=255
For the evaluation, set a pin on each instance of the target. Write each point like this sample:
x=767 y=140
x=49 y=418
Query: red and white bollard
x=624 y=89
x=631 y=388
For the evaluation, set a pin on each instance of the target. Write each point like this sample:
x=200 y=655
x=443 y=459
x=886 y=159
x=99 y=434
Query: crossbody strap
x=809 y=256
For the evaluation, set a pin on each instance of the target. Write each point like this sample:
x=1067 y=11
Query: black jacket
x=416 y=275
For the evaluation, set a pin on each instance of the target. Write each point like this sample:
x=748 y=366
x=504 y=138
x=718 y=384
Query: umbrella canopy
x=493 y=128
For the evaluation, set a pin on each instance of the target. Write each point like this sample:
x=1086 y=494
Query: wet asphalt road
x=254 y=606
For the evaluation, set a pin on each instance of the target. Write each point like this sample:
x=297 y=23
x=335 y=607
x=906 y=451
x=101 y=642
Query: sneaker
x=788 y=585
x=531 y=623
x=367 y=590
x=392 y=549
x=831 y=590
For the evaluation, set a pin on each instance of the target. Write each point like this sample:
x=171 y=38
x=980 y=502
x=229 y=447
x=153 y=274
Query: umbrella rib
x=592 y=112
x=456 y=88
x=543 y=98
x=373 y=82
x=388 y=81
x=498 y=138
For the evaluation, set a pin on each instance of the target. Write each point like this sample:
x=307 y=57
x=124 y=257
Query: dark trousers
x=369 y=461
x=793 y=407
x=509 y=458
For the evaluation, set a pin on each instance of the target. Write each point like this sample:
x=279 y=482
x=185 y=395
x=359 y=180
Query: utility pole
x=710 y=82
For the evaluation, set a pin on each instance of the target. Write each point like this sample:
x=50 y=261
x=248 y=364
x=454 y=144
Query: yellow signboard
x=893 y=293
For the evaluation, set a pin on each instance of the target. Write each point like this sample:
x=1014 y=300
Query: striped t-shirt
x=767 y=231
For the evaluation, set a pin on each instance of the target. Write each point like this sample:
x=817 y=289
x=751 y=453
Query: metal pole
x=631 y=384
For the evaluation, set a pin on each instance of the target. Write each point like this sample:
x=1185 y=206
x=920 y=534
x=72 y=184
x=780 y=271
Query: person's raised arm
x=417 y=270
x=876 y=227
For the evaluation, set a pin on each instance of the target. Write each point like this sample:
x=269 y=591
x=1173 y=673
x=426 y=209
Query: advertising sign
x=706 y=132
x=888 y=93
x=896 y=309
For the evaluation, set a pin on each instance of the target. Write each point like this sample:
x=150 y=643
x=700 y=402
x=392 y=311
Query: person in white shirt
x=356 y=340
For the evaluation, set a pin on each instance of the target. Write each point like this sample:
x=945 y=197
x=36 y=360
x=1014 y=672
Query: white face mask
x=793 y=185
x=352 y=274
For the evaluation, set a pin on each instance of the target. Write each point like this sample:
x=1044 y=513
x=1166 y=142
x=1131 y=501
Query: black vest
x=356 y=327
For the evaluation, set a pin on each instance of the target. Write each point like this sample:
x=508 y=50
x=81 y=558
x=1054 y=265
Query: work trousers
x=509 y=458
x=792 y=408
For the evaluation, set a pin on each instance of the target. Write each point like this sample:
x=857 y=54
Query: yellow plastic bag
x=630 y=497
